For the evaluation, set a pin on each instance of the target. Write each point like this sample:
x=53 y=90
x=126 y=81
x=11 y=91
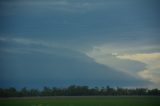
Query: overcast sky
x=83 y=42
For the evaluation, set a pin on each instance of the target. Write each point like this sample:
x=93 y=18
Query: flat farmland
x=82 y=101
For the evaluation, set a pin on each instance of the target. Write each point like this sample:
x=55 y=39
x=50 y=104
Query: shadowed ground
x=82 y=101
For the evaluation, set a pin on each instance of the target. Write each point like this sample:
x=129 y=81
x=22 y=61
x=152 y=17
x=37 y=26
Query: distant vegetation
x=74 y=90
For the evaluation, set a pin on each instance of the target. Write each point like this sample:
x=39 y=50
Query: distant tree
x=34 y=92
x=154 y=92
x=47 y=91
x=75 y=90
x=24 y=92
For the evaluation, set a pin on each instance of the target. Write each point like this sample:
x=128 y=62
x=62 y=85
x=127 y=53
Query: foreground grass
x=82 y=101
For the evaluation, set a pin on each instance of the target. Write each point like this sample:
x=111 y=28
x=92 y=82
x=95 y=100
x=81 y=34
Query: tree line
x=75 y=90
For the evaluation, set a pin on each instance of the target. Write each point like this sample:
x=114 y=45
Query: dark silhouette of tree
x=24 y=92
x=47 y=91
x=34 y=92
x=75 y=90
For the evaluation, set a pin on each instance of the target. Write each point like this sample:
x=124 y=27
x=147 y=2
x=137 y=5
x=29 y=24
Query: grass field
x=81 y=101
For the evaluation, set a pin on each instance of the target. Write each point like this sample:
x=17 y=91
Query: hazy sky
x=83 y=42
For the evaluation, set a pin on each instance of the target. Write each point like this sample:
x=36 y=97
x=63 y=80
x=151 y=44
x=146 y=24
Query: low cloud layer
x=142 y=65
x=46 y=64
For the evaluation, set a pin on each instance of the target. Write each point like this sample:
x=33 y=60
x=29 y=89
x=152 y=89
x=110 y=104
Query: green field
x=82 y=101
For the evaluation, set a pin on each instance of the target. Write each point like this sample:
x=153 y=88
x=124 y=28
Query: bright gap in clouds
x=152 y=61
x=143 y=57
x=141 y=65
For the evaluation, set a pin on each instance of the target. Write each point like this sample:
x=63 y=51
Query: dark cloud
x=57 y=69
x=56 y=30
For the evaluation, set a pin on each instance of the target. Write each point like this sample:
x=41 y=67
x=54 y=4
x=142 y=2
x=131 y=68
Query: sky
x=82 y=42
